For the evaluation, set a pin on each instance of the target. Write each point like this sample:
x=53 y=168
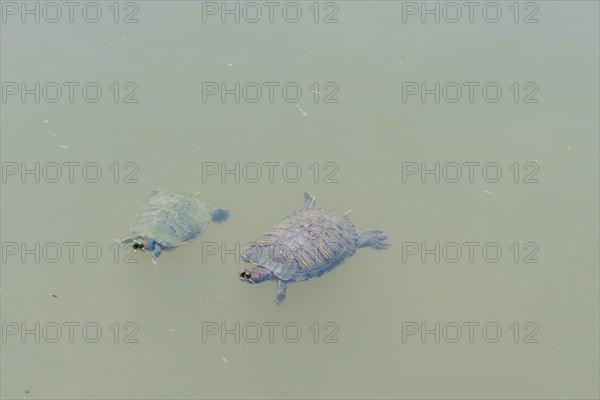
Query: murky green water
x=459 y=320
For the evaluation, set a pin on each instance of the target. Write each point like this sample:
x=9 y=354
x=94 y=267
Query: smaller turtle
x=304 y=246
x=168 y=220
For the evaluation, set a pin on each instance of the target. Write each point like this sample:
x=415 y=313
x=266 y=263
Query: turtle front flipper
x=309 y=201
x=219 y=215
x=128 y=240
x=372 y=238
x=156 y=253
x=281 y=289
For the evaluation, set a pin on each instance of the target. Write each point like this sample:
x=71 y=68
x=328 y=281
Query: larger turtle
x=303 y=246
x=168 y=220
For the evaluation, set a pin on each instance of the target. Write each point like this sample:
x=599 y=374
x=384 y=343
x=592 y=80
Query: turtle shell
x=304 y=245
x=171 y=219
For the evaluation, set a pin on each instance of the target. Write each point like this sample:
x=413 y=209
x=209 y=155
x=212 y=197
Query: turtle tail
x=219 y=215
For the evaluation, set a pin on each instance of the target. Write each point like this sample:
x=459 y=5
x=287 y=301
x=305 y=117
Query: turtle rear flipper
x=219 y=215
x=372 y=238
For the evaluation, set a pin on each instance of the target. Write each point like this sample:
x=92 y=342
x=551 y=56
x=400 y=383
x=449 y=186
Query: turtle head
x=143 y=245
x=252 y=254
x=255 y=274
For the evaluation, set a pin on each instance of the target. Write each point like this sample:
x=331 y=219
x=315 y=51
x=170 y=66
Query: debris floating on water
x=301 y=110
x=63 y=146
x=224 y=359
x=487 y=191
x=54 y=295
